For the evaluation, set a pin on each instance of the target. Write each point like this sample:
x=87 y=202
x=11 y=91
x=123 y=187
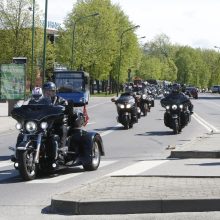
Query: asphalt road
x=148 y=140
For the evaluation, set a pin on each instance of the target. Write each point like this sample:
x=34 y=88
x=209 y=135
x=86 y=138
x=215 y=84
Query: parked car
x=192 y=92
x=215 y=89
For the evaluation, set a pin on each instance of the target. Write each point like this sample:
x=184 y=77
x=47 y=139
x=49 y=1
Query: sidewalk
x=156 y=193
x=7 y=123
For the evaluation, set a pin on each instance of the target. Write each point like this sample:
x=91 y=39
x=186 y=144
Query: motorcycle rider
x=176 y=95
x=49 y=91
x=37 y=95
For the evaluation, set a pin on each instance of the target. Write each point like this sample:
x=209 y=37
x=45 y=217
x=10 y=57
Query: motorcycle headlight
x=44 y=125
x=121 y=106
x=128 y=106
x=31 y=126
x=174 y=107
x=167 y=107
x=181 y=106
x=18 y=126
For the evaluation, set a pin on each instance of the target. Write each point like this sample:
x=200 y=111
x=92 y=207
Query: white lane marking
x=6 y=163
x=137 y=168
x=104 y=163
x=93 y=106
x=63 y=177
x=208 y=126
x=91 y=123
x=110 y=130
x=213 y=103
x=54 y=179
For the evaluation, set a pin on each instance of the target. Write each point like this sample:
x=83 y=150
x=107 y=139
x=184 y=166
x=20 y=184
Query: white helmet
x=37 y=93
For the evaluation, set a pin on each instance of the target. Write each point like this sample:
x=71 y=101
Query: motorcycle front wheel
x=145 y=109
x=175 y=126
x=27 y=166
x=96 y=157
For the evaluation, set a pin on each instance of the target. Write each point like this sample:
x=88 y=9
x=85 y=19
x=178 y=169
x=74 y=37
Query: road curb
x=194 y=154
x=133 y=206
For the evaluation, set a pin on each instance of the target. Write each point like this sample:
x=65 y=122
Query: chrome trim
x=39 y=138
x=21 y=148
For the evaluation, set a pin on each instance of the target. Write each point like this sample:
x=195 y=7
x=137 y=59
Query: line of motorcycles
x=133 y=103
x=39 y=149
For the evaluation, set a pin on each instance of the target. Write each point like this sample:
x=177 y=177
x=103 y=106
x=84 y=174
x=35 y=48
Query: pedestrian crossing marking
x=63 y=177
x=56 y=179
x=6 y=163
x=137 y=168
x=132 y=170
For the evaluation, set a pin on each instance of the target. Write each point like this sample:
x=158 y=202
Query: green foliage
x=97 y=40
x=16 y=31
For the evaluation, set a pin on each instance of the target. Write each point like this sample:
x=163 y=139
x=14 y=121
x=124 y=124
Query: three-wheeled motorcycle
x=39 y=147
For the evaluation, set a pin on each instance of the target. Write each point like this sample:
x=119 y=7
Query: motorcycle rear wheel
x=27 y=167
x=96 y=157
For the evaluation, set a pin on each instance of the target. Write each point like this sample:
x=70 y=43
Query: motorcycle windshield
x=125 y=98
x=174 y=100
x=37 y=112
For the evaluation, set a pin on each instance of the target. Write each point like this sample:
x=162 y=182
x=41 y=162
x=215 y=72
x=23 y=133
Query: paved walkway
x=179 y=190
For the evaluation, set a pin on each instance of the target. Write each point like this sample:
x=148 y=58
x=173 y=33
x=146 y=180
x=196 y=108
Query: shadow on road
x=109 y=128
x=2 y=158
x=205 y=164
x=209 y=97
x=156 y=133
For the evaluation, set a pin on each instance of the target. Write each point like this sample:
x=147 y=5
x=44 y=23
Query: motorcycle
x=39 y=147
x=143 y=103
x=127 y=110
x=177 y=116
x=150 y=99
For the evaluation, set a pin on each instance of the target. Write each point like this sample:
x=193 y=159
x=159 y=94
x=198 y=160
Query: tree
x=97 y=40
x=16 y=30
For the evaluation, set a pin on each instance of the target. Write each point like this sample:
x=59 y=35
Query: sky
x=194 y=23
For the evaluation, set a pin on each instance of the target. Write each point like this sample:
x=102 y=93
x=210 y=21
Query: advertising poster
x=12 y=81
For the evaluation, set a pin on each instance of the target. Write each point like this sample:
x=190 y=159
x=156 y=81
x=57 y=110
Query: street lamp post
x=45 y=40
x=73 y=34
x=119 y=64
x=32 y=51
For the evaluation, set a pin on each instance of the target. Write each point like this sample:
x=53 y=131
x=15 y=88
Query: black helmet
x=176 y=88
x=49 y=86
